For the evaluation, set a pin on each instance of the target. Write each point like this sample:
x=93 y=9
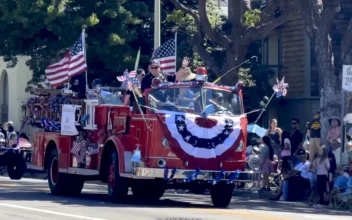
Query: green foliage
x=42 y=30
x=244 y=74
x=185 y=27
x=251 y=17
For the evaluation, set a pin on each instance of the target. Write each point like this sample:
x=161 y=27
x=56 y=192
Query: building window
x=265 y=51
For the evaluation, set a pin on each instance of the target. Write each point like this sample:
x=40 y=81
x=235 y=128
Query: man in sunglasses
x=154 y=72
x=296 y=140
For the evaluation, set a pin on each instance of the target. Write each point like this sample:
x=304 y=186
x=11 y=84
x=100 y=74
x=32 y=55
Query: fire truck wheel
x=148 y=189
x=76 y=184
x=16 y=169
x=221 y=194
x=57 y=182
x=117 y=185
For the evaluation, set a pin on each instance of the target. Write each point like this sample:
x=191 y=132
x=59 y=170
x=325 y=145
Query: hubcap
x=112 y=176
x=54 y=171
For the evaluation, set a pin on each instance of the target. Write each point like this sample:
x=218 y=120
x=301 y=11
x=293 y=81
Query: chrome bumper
x=205 y=175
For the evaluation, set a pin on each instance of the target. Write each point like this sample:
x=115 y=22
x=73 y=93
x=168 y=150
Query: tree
x=318 y=16
x=242 y=26
x=43 y=30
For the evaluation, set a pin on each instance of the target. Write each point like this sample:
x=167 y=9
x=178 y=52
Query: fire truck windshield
x=197 y=100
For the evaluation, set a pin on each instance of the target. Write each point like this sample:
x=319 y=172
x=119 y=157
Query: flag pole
x=85 y=54
x=137 y=59
x=176 y=51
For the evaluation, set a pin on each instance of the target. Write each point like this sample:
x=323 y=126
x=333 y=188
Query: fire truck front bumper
x=205 y=175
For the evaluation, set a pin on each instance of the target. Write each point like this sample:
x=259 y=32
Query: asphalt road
x=30 y=199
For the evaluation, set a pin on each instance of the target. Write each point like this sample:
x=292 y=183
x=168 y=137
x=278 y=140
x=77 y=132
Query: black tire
x=16 y=167
x=117 y=185
x=221 y=194
x=56 y=180
x=75 y=183
x=148 y=189
x=61 y=184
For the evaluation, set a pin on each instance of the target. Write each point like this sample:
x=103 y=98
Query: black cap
x=96 y=82
x=317 y=113
x=218 y=95
x=154 y=62
x=301 y=152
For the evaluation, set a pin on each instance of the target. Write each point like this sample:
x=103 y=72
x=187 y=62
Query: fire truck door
x=38 y=151
x=139 y=131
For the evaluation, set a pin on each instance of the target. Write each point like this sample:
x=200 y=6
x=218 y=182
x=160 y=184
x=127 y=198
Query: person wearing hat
x=216 y=104
x=186 y=96
x=154 y=72
x=314 y=135
x=297 y=182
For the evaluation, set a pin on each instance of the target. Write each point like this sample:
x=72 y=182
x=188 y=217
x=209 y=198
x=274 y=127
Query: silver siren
x=254 y=162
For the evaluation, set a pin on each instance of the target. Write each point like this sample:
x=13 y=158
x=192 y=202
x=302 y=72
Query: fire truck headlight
x=240 y=147
x=165 y=143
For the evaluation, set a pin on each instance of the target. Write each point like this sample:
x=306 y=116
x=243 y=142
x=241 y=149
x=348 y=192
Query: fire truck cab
x=165 y=144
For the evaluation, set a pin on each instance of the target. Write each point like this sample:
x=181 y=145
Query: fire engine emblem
x=204 y=140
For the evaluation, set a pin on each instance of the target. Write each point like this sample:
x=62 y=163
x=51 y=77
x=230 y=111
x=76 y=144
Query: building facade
x=13 y=82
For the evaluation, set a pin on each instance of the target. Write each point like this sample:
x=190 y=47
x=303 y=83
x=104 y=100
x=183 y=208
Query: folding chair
x=343 y=199
x=274 y=178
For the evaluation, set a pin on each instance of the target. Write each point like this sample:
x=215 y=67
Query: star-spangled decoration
x=181 y=127
x=280 y=88
x=76 y=47
x=128 y=79
x=179 y=118
x=191 y=83
x=166 y=50
x=202 y=142
x=166 y=56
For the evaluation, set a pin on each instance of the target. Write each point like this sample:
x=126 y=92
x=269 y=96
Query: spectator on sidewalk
x=314 y=135
x=266 y=157
x=297 y=182
x=285 y=152
x=321 y=167
x=296 y=140
x=274 y=133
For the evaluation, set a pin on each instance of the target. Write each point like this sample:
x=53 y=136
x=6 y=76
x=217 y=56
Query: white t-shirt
x=284 y=152
x=304 y=168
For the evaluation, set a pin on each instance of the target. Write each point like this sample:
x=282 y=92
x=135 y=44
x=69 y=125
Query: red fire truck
x=164 y=144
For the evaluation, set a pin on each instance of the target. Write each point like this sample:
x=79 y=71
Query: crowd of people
x=305 y=166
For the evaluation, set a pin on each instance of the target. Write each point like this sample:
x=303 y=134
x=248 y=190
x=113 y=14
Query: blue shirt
x=209 y=109
x=341 y=182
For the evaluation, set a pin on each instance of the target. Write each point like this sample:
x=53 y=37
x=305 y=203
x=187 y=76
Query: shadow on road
x=96 y=196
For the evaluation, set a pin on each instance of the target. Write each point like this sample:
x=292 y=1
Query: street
x=30 y=199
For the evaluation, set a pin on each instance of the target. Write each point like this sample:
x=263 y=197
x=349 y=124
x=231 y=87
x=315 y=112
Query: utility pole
x=156 y=24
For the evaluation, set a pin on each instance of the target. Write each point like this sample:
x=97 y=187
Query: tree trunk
x=330 y=81
x=234 y=57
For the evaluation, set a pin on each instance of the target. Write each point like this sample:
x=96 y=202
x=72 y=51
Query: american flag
x=121 y=78
x=93 y=151
x=72 y=64
x=128 y=77
x=166 y=55
x=77 y=146
x=132 y=73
